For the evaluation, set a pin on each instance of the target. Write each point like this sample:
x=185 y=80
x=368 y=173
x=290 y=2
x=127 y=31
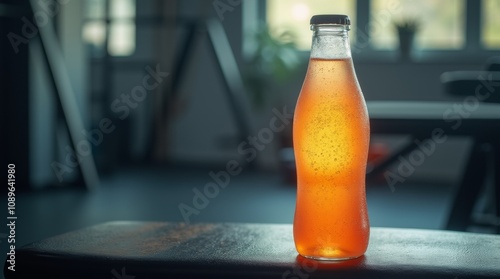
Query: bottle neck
x=330 y=41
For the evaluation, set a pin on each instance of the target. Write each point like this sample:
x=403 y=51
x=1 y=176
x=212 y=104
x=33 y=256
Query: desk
x=481 y=121
x=175 y=250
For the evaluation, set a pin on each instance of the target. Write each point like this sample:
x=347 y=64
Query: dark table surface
x=175 y=250
x=432 y=109
x=421 y=118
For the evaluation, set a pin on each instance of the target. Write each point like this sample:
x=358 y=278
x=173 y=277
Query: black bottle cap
x=331 y=19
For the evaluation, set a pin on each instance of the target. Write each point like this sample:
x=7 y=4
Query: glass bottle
x=331 y=135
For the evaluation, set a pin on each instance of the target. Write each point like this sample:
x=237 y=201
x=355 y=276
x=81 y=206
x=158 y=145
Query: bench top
x=126 y=249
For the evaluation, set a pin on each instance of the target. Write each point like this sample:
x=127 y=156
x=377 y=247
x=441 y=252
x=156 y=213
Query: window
x=294 y=15
x=490 y=28
x=440 y=24
x=121 y=41
x=443 y=26
x=122 y=28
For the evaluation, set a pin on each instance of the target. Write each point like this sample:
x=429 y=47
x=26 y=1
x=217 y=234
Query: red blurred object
x=376 y=152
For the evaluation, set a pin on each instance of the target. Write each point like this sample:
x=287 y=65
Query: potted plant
x=274 y=60
x=406 y=32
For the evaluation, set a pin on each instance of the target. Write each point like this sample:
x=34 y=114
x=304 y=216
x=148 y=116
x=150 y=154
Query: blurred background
x=147 y=98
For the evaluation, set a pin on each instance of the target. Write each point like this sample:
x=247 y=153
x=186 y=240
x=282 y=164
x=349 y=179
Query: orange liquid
x=331 y=136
